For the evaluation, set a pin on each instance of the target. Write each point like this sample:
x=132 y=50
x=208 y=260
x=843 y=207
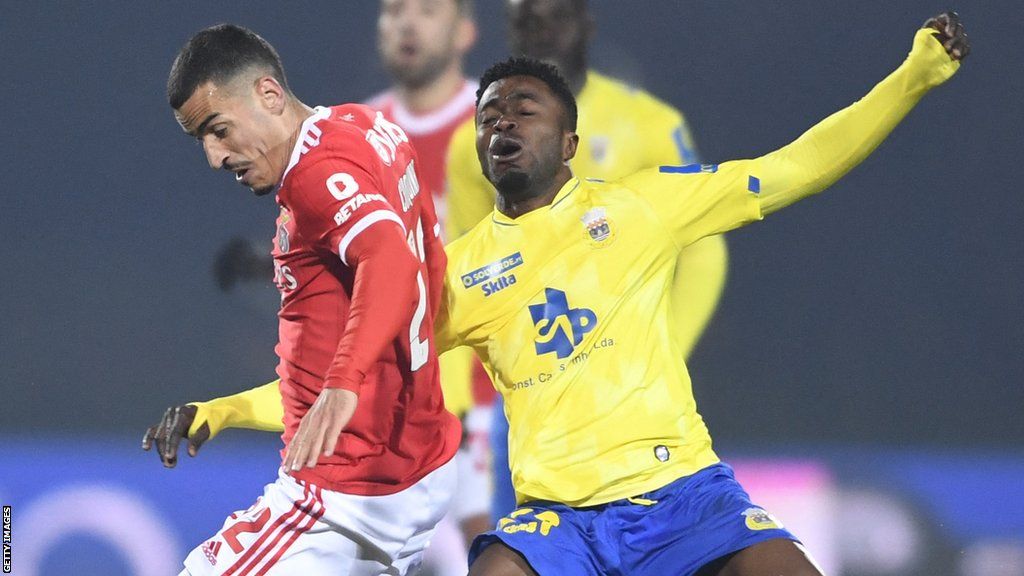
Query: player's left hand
x=951 y=34
x=320 y=427
x=168 y=433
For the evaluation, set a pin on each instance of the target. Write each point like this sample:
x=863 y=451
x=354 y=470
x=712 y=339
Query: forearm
x=256 y=409
x=384 y=294
x=834 y=146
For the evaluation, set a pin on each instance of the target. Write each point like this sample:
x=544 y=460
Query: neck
x=533 y=199
x=432 y=95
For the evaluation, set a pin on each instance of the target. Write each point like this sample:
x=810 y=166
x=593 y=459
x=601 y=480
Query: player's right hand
x=171 y=429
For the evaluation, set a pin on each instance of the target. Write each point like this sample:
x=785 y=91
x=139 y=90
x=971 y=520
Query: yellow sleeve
x=259 y=408
x=698 y=201
x=470 y=196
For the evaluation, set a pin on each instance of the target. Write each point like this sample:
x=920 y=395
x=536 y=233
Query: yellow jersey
x=568 y=306
x=622 y=130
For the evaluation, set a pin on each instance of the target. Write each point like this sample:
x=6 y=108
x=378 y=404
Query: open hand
x=951 y=34
x=172 y=428
x=320 y=427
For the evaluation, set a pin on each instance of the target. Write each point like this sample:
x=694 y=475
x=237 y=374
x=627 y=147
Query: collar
x=568 y=188
x=309 y=136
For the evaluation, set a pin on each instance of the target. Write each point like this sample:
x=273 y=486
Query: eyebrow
x=202 y=126
x=521 y=95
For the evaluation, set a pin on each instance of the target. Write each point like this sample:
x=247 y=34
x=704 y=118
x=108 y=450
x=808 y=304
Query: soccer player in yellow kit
x=622 y=129
x=564 y=293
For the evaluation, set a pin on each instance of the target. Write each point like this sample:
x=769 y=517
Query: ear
x=270 y=94
x=465 y=35
x=570 y=142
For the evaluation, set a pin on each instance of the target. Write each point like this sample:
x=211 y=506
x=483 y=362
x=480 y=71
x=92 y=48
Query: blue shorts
x=676 y=529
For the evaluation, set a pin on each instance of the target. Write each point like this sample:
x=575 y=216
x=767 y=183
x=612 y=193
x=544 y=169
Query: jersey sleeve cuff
x=351 y=382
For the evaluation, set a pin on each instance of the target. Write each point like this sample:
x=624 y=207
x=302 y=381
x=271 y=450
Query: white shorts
x=475 y=485
x=299 y=528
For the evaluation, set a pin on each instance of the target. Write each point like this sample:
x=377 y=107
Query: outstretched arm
x=257 y=409
x=834 y=146
x=701 y=200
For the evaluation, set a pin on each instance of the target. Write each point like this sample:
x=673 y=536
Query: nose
x=216 y=155
x=505 y=124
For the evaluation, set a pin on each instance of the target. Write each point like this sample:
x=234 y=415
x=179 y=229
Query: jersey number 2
x=418 y=349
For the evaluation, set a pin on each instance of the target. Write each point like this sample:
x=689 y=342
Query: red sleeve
x=336 y=199
x=383 y=299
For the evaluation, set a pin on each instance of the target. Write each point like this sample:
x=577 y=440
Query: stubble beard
x=418 y=77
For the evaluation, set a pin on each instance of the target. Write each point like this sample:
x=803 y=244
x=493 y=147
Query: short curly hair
x=546 y=73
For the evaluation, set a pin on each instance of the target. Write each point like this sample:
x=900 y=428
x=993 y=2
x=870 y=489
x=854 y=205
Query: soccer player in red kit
x=422 y=45
x=368 y=467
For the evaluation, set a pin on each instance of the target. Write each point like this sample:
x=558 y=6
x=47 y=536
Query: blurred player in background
x=368 y=467
x=622 y=129
x=422 y=45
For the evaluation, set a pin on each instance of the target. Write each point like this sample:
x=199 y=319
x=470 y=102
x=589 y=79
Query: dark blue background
x=886 y=310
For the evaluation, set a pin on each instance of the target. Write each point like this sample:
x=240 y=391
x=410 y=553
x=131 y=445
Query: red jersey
x=430 y=134
x=359 y=264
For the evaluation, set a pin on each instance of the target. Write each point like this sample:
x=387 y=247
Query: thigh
x=280 y=523
x=500 y=560
x=692 y=522
x=768 y=558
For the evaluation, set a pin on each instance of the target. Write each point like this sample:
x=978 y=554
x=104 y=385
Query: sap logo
x=559 y=328
x=499 y=284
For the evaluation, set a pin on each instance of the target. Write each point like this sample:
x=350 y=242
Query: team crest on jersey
x=560 y=329
x=282 y=231
x=599 y=148
x=760 y=519
x=598 y=227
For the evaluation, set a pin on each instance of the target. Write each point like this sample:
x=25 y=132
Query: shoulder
x=332 y=139
x=632 y=99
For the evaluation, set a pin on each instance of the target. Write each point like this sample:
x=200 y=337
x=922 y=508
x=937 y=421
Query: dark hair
x=219 y=53
x=546 y=73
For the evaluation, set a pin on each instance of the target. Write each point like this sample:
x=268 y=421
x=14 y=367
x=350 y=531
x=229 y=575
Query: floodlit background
x=864 y=371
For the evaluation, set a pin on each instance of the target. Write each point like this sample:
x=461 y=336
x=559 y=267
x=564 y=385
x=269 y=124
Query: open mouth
x=505 y=150
x=240 y=175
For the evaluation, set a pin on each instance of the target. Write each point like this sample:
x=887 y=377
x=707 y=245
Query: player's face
x=239 y=131
x=521 y=139
x=419 y=39
x=556 y=31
